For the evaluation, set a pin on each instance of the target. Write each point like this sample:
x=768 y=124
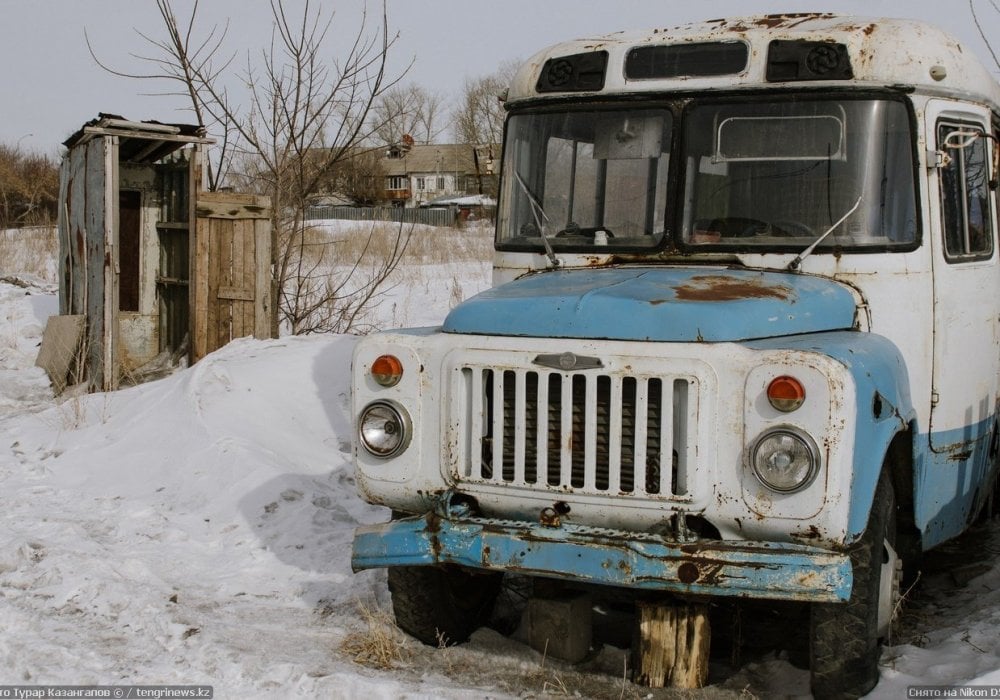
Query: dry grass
x=32 y=250
x=368 y=242
x=380 y=645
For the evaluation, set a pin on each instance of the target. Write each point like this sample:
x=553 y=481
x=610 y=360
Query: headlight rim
x=798 y=434
x=402 y=417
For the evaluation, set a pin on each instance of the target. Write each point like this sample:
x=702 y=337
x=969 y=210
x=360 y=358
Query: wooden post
x=672 y=646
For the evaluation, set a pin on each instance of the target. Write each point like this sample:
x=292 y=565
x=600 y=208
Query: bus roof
x=881 y=52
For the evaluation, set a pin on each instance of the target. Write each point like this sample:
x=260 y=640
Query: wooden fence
x=429 y=217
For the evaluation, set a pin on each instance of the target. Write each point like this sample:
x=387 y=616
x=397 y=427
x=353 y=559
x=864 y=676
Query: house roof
x=435 y=158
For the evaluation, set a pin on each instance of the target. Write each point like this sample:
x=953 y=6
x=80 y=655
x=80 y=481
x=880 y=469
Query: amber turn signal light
x=786 y=393
x=387 y=370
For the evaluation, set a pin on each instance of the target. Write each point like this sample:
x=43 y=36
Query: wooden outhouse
x=148 y=281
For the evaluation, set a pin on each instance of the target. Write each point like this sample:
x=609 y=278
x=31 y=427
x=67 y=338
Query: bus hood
x=686 y=304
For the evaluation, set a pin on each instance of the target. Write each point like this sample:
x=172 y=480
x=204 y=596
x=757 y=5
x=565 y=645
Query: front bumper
x=611 y=557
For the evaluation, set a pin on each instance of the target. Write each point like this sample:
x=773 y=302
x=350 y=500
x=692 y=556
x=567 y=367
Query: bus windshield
x=782 y=174
x=586 y=178
x=771 y=174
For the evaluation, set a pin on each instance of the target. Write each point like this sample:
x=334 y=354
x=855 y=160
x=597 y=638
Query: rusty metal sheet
x=634 y=560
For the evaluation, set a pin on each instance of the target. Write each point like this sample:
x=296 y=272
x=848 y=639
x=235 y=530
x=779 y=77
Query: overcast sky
x=50 y=85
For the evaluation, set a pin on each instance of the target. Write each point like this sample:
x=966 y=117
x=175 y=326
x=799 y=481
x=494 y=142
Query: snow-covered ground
x=197 y=530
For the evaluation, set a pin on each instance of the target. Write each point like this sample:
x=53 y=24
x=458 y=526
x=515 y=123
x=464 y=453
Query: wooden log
x=693 y=640
x=672 y=646
x=654 y=655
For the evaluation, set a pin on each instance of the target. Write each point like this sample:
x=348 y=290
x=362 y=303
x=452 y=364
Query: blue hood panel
x=661 y=304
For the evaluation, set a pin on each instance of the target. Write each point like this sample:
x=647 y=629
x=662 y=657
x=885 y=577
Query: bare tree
x=361 y=177
x=305 y=109
x=478 y=120
x=188 y=63
x=408 y=110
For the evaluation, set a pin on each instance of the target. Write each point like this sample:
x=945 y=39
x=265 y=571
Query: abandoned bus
x=742 y=339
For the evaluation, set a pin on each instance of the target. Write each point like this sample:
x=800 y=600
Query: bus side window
x=965 y=201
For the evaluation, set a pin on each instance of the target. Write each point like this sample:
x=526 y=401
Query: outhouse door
x=231 y=270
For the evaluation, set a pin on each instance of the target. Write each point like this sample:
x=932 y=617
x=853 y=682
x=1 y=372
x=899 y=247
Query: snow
x=197 y=530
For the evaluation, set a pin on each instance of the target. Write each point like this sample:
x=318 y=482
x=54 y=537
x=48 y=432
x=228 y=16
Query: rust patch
x=786 y=20
x=687 y=573
x=549 y=518
x=721 y=288
x=808 y=580
x=812 y=533
x=434 y=530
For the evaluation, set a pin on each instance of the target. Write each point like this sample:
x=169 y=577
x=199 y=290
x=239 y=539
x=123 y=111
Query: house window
x=420 y=184
x=440 y=183
x=397 y=182
x=965 y=204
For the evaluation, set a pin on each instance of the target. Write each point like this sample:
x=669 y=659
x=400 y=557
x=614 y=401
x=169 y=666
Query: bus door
x=966 y=329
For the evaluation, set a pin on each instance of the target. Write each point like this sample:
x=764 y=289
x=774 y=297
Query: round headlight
x=384 y=428
x=784 y=460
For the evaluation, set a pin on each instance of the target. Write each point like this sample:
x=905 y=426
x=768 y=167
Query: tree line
x=29 y=188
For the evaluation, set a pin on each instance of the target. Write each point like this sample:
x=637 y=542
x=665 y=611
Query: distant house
x=417 y=174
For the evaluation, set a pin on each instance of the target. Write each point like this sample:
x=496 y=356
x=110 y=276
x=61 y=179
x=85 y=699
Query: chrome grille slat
x=582 y=432
x=565 y=432
x=666 y=458
x=497 y=426
x=615 y=436
x=520 y=427
x=542 y=431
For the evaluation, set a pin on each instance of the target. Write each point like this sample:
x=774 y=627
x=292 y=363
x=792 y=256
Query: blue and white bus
x=742 y=339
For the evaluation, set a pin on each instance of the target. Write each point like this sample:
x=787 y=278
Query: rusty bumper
x=611 y=557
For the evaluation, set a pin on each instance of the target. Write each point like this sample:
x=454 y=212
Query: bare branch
x=302 y=108
x=982 y=32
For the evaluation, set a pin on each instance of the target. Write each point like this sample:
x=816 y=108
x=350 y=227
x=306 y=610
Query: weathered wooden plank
x=95 y=256
x=110 y=196
x=228 y=209
x=212 y=317
x=693 y=642
x=654 y=657
x=236 y=273
x=60 y=353
x=225 y=327
x=72 y=233
x=64 y=238
x=235 y=294
x=673 y=645
x=200 y=252
x=177 y=138
x=263 y=307
x=248 y=244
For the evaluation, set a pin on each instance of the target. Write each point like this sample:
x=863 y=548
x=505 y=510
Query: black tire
x=442 y=606
x=844 y=644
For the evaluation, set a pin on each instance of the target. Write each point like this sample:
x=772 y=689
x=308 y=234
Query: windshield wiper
x=797 y=260
x=536 y=210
